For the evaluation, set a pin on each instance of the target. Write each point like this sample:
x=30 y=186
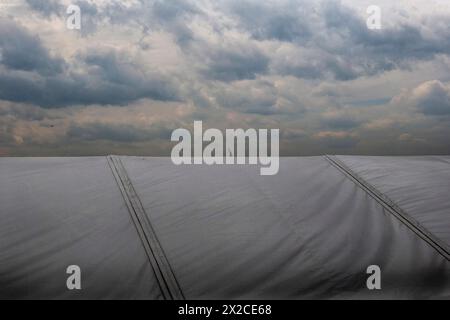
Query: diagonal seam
x=392 y=207
x=168 y=284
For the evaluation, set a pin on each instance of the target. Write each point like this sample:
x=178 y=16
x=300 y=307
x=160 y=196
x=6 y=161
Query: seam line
x=168 y=284
x=391 y=207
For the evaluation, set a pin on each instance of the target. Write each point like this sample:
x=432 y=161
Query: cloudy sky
x=137 y=70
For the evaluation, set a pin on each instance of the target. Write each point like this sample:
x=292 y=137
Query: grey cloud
x=20 y=50
x=91 y=15
x=46 y=7
x=340 y=123
x=287 y=21
x=433 y=98
x=125 y=81
x=89 y=8
x=29 y=74
x=23 y=112
x=98 y=87
x=396 y=43
x=304 y=71
x=171 y=16
x=153 y=15
x=172 y=10
x=338 y=141
x=339 y=43
x=116 y=132
x=258 y=97
x=315 y=65
x=224 y=50
x=375 y=51
x=238 y=63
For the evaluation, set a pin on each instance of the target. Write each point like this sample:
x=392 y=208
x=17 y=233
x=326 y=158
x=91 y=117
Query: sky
x=137 y=70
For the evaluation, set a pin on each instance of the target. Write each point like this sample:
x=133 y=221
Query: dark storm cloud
x=397 y=43
x=370 y=52
x=21 y=87
x=115 y=72
x=21 y=50
x=28 y=73
x=340 y=44
x=83 y=89
x=102 y=86
x=233 y=62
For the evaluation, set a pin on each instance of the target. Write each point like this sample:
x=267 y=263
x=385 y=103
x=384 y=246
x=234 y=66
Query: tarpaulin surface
x=224 y=230
x=306 y=232
x=57 y=212
x=419 y=185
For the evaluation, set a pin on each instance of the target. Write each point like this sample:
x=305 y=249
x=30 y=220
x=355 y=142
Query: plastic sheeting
x=419 y=185
x=57 y=212
x=226 y=231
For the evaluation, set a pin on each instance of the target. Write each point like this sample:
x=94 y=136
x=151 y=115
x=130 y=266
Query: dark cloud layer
x=236 y=62
x=21 y=50
x=340 y=45
x=30 y=74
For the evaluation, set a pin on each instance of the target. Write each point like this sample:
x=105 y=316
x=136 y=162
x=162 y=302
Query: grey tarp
x=310 y=231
